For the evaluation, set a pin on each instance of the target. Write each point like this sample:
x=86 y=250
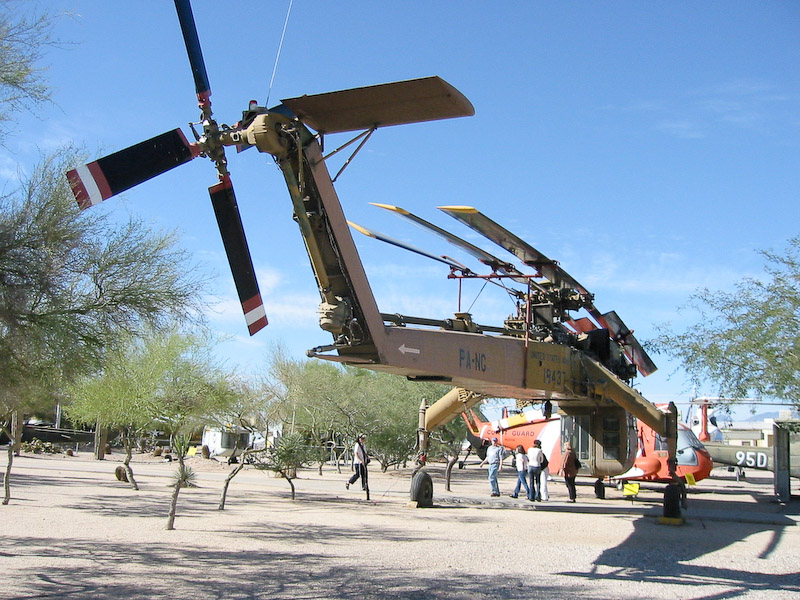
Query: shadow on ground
x=235 y=575
x=663 y=554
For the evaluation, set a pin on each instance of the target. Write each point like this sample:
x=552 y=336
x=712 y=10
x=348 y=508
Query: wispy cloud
x=683 y=129
x=744 y=104
x=10 y=170
x=287 y=308
x=665 y=274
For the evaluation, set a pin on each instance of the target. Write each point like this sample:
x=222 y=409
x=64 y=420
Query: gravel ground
x=73 y=531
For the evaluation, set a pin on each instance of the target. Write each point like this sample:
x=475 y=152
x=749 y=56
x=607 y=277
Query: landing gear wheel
x=422 y=489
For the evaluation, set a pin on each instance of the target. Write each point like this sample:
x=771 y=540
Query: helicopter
x=649 y=455
x=739 y=458
x=539 y=353
x=694 y=458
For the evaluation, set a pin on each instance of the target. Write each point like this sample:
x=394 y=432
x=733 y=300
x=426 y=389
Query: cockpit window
x=687 y=439
x=687 y=444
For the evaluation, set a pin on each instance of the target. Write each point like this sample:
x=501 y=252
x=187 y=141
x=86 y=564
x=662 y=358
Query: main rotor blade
x=385 y=238
x=485 y=257
x=474 y=219
x=192 y=41
x=115 y=173
x=233 y=238
x=633 y=349
x=479 y=222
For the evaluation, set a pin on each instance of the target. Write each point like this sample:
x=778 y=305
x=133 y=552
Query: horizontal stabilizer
x=413 y=101
x=115 y=173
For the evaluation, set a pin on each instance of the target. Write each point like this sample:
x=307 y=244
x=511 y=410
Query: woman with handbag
x=569 y=469
x=543 y=474
x=535 y=456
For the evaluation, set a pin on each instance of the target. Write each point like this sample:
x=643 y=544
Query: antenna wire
x=280 y=47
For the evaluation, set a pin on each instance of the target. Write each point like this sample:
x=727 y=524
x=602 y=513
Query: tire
x=422 y=489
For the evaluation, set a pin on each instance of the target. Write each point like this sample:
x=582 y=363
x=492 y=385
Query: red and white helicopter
x=649 y=465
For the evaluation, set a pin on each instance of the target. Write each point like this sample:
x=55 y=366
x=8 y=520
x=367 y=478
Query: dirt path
x=73 y=531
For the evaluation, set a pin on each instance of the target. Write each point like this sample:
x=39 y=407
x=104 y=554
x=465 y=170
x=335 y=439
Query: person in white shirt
x=494 y=457
x=535 y=455
x=521 y=463
x=360 y=461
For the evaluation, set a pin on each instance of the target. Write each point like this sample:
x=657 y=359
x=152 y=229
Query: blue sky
x=651 y=148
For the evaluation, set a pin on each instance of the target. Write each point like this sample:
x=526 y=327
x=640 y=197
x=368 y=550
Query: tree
x=327 y=403
x=747 y=342
x=128 y=395
x=289 y=454
x=22 y=79
x=251 y=409
x=71 y=283
x=169 y=381
x=389 y=414
x=309 y=397
x=118 y=397
x=193 y=386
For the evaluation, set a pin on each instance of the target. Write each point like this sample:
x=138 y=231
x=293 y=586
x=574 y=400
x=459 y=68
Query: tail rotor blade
x=115 y=173
x=233 y=238
x=192 y=41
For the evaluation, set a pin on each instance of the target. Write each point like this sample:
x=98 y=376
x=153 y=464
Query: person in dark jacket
x=569 y=469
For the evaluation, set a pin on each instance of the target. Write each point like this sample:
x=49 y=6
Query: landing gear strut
x=675 y=493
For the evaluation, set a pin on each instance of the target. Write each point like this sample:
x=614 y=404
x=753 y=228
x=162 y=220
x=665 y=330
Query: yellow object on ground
x=630 y=489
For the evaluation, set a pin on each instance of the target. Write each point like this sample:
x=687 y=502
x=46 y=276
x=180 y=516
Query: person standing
x=494 y=457
x=535 y=455
x=360 y=461
x=544 y=474
x=521 y=463
x=569 y=469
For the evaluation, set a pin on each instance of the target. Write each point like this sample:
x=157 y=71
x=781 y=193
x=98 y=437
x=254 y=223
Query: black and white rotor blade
x=108 y=176
x=233 y=238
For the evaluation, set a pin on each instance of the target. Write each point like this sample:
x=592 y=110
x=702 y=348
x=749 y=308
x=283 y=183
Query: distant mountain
x=764 y=416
